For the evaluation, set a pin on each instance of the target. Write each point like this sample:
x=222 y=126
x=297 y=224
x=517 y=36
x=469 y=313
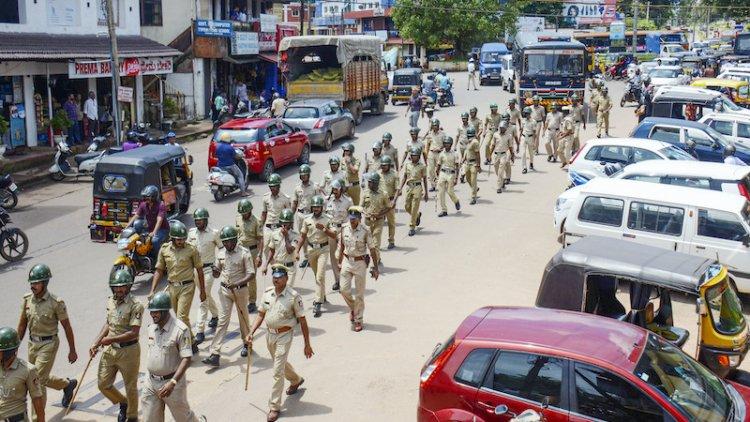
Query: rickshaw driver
x=154 y=212
x=226 y=155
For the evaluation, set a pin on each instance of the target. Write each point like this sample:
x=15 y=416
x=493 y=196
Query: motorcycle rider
x=445 y=84
x=154 y=212
x=131 y=141
x=644 y=101
x=226 y=155
x=428 y=88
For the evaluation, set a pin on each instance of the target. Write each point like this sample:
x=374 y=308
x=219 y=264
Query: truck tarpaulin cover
x=348 y=46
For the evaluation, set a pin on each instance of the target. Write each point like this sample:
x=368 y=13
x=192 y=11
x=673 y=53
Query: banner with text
x=128 y=67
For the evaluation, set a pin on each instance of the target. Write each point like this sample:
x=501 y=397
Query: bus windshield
x=742 y=43
x=553 y=63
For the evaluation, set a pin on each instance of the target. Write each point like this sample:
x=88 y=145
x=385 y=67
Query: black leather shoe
x=303 y=264
x=243 y=352
x=458 y=206
x=412 y=232
x=391 y=245
x=68 y=392
x=213 y=322
x=442 y=214
x=432 y=189
x=499 y=191
x=524 y=171
x=419 y=218
x=123 y=415
x=335 y=286
x=531 y=166
x=212 y=360
x=251 y=308
x=316 y=310
x=195 y=348
x=473 y=201
x=199 y=338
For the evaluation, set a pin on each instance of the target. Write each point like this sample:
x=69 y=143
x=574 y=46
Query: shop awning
x=40 y=46
x=270 y=57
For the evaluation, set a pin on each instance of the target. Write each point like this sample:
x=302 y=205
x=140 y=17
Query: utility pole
x=115 y=63
x=648 y=10
x=302 y=17
x=635 y=27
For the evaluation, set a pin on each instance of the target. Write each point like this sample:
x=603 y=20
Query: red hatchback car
x=268 y=144
x=568 y=366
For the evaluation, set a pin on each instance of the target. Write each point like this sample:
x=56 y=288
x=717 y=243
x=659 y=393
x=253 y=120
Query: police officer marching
x=475 y=121
x=414 y=142
x=169 y=355
x=389 y=185
x=338 y=209
x=447 y=168
x=205 y=239
x=303 y=194
x=274 y=201
x=538 y=115
x=179 y=260
x=566 y=137
x=502 y=150
x=316 y=233
x=604 y=105
x=18 y=379
x=389 y=150
x=576 y=114
x=514 y=122
x=461 y=138
x=351 y=167
x=376 y=205
x=122 y=353
x=234 y=266
x=491 y=122
x=250 y=235
x=41 y=312
x=472 y=164
x=415 y=179
x=281 y=246
x=528 y=134
x=281 y=308
x=551 y=127
x=373 y=162
x=433 y=143
x=334 y=173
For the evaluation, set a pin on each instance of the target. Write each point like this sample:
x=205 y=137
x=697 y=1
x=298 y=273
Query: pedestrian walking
x=528 y=134
x=303 y=194
x=18 y=379
x=502 y=151
x=169 y=355
x=316 y=233
x=491 y=122
x=351 y=167
x=338 y=209
x=278 y=105
x=433 y=144
x=472 y=164
x=206 y=240
x=41 y=313
x=576 y=114
x=389 y=185
x=354 y=243
x=274 y=201
x=282 y=310
x=604 y=105
x=250 y=234
x=415 y=179
x=90 y=117
x=472 y=70
x=234 y=267
x=375 y=204
x=71 y=110
x=538 y=115
x=282 y=244
x=447 y=168
x=414 y=108
x=566 y=137
x=122 y=353
x=551 y=127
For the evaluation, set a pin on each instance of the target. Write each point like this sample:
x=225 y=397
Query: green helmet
x=473 y=110
x=245 y=206
x=274 y=180
x=150 y=192
x=9 y=339
x=160 y=302
x=512 y=101
x=338 y=184
x=471 y=132
x=536 y=98
x=386 y=161
x=447 y=140
x=177 y=230
x=493 y=106
x=228 y=233
x=505 y=116
x=503 y=125
x=387 y=136
x=317 y=201
x=39 y=272
x=414 y=131
x=415 y=151
x=120 y=278
x=377 y=145
x=373 y=178
x=304 y=169
x=348 y=147
x=434 y=122
x=464 y=115
x=286 y=216
x=200 y=214
x=334 y=160
x=526 y=111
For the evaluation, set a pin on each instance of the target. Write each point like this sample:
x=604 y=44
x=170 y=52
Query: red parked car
x=568 y=366
x=268 y=144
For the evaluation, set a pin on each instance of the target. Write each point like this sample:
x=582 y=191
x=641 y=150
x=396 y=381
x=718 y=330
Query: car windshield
x=553 y=63
x=301 y=113
x=674 y=153
x=725 y=309
x=664 y=73
x=685 y=382
x=239 y=136
x=491 y=57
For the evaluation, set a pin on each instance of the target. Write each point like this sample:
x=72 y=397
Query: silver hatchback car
x=323 y=120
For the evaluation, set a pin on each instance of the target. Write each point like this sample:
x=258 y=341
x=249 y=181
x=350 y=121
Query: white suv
x=736 y=127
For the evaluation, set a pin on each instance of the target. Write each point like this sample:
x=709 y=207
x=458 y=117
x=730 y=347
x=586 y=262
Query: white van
x=699 y=222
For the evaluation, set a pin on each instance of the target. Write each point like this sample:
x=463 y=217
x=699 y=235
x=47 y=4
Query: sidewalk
x=31 y=167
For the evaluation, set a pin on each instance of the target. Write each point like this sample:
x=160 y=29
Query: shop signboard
x=267 y=23
x=125 y=94
x=617 y=35
x=128 y=67
x=244 y=43
x=208 y=28
x=267 y=41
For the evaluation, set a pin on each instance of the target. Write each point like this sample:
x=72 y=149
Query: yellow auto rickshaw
x=737 y=91
x=404 y=80
x=635 y=283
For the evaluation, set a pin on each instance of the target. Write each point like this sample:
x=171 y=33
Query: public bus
x=646 y=41
x=550 y=65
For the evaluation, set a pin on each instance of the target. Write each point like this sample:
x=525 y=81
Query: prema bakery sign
x=128 y=67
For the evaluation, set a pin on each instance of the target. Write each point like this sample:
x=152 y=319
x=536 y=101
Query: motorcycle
x=8 y=195
x=225 y=115
x=135 y=248
x=85 y=162
x=223 y=183
x=632 y=94
x=443 y=99
x=527 y=415
x=13 y=241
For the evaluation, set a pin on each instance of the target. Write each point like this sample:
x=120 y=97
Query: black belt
x=436 y=151
x=302 y=210
x=272 y=226
x=39 y=339
x=15 y=418
x=181 y=283
x=233 y=286
x=539 y=121
x=317 y=245
x=125 y=344
x=161 y=377
x=355 y=183
x=471 y=161
x=208 y=265
x=338 y=224
x=289 y=265
x=251 y=247
x=448 y=171
x=501 y=152
x=412 y=184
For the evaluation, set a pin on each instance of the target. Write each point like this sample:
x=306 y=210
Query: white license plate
x=494 y=77
x=13 y=187
x=553 y=83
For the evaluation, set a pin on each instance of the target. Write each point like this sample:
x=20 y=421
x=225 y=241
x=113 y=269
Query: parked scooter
x=223 y=183
x=13 y=241
x=85 y=163
x=8 y=192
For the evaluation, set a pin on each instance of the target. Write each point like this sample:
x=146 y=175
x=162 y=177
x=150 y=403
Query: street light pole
x=634 y=38
x=115 y=63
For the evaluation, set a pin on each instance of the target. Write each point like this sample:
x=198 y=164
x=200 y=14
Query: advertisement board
x=245 y=43
x=588 y=12
x=128 y=67
x=206 y=28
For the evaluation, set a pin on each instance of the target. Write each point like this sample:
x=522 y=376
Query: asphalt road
x=492 y=253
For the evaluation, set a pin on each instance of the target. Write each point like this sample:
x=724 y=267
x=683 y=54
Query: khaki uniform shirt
x=448 y=160
x=515 y=117
x=567 y=126
x=433 y=141
x=167 y=346
x=538 y=113
x=273 y=206
x=604 y=103
x=373 y=162
x=461 y=137
x=388 y=183
x=250 y=231
x=338 y=209
x=179 y=263
x=314 y=234
x=278 y=244
x=414 y=173
x=43 y=315
x=205 y=242
x=576 y=112
x=357 y=242
x=553 y=120
x=411 y=144
x=122 y=316
x=374 y=202
x=329 y=177
x=20 y=379
x=477 y=123
x=492 y=121
x=528 y=127
x=281 y=310
x=593 y=102
x=351 y=176
x=502 y=142
x=303 y=195
x=391 y=151
x=234 y=265
x=472 y=150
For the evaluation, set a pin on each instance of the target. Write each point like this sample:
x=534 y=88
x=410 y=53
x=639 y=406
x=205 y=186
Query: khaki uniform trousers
x=126 y=361
x=357 y=270
x=564 y=149
x=227 y=305
x=502 y=167
x=209 y=305
x=318 y=259
x=353 y=192
x=576 y=137
x=432 y=161
x=486 y=140
x=278 y=347
x=527 y=150
x=252 y=285
x=299 y=221
x=550 y=140
x=376 y=227
x=471 y=178
x=602 y=122
x=153 y=406
x=42 y=355
x=537 y=135
x=445 y=185
x=412 y=200
x=182 y=298
x=333 y=248
x=390 y=218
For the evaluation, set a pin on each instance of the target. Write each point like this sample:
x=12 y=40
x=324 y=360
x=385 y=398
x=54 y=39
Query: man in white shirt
x=472 y=68
x=278 y=105
x=91 y=116
x=241 y=93
x=729 y=157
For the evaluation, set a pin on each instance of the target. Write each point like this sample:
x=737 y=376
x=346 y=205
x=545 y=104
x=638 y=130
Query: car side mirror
x=746 y=240
x=700 y=307
x=545 y=402
x=501 y=410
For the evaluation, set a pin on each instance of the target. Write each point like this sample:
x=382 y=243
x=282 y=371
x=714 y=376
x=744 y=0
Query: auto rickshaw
x=404 y=80
x=737 y=91
x=119 y=179
x=691 y=65
x=588 y=275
